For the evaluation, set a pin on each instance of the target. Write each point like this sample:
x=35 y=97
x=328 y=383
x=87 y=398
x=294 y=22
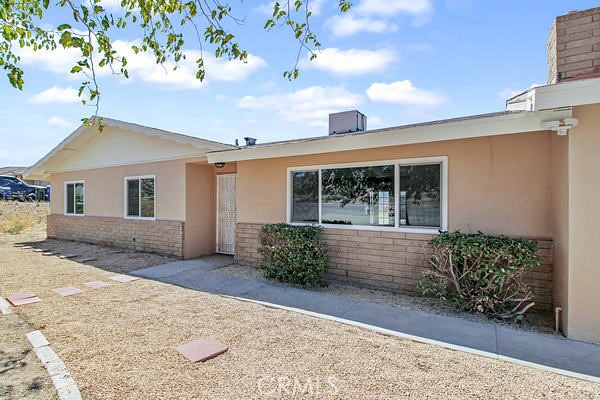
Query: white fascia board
x=46 y=165
x=34 y=172
x=567 y=94
x=463 y=129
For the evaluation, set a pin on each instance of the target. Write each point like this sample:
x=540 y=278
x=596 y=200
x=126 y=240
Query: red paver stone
x=202 y=349
x=124 y=278
x=97 y=284
x=20 y=296
x=67 y=291
x=20 y=299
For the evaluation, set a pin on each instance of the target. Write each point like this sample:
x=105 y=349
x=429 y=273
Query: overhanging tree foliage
x=163 y=26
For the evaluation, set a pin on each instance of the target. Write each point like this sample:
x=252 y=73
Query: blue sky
x=397 y=61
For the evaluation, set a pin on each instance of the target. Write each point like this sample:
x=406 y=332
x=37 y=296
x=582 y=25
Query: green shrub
x=481 y=273
x=293 y=254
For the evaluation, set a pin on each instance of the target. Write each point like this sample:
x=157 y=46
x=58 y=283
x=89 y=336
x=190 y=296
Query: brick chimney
x=574 y=46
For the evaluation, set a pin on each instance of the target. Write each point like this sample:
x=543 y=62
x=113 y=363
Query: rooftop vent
x=346 y=122
x=250 y=141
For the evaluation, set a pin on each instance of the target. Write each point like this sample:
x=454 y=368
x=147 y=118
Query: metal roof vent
x=250 y=141
x=346 y=122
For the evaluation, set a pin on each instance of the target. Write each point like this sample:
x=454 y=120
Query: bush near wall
x=481 y=273
x=293 y=254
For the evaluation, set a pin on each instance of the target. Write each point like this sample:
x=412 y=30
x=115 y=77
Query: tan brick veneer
x=163 y=237
x=574 y=45
x=390 y=261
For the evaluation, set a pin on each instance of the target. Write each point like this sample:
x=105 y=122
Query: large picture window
x=139 y=197
x=74 y=198
x=403 y=194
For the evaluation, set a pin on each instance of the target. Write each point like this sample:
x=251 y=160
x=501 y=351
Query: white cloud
x=348 y=25
x=310 y=106
x=351 y=61
x=374 y=122
x=111 y=5
x=56 y=95
x=404 y=93
x=60 y=123
x=58 y=61
x=394 y=7
x=378 y=16
x=143 y=66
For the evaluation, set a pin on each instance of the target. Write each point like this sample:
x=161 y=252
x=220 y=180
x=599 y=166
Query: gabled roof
x=82 y=135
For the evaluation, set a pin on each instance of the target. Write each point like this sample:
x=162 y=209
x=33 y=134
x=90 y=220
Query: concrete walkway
x=552 y=351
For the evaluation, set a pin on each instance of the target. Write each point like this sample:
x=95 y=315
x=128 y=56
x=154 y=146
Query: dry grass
x=22 y=376
x=22 y=221
x=119 y=343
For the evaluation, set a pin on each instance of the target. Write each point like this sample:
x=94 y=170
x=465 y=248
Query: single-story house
x=530 y=171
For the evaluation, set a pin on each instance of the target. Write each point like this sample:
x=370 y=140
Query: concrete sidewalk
x=548 y=350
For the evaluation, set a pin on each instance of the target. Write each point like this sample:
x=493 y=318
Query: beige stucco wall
x=116 y=146
x=559 y=157
x=200 y=211
x=201 y=200
x=499 y=184
x=104 y=189
x=584 y=220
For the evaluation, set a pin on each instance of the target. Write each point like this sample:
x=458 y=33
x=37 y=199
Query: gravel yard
x=119 y=343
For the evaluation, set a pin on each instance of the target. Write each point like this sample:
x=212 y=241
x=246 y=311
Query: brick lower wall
x=391 y=261
x=162 y=237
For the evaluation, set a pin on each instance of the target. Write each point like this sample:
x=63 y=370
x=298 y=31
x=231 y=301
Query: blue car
x=4 y=192
x=16 y=189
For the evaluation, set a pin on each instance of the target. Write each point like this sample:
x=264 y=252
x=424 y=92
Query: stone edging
x=61 y=379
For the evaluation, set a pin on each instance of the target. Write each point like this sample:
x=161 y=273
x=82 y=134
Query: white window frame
x=65 y=198
x=126 y=194
x=442 y=160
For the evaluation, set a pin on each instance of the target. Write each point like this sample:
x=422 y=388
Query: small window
x=74 y=198
x=420 y=189
x=139 y=200
x=305 y=196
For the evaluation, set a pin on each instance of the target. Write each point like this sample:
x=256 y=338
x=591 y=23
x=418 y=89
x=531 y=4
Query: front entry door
x=226 y=213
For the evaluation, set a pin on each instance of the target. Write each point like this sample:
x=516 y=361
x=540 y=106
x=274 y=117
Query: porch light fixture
x=219 y=164
x=561 y=127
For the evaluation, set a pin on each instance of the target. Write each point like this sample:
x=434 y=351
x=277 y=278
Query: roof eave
x=476 y=126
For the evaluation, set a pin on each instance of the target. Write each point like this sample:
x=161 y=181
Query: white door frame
x=218 y=250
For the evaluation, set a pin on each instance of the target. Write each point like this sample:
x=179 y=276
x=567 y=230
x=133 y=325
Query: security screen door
x=226 y=213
